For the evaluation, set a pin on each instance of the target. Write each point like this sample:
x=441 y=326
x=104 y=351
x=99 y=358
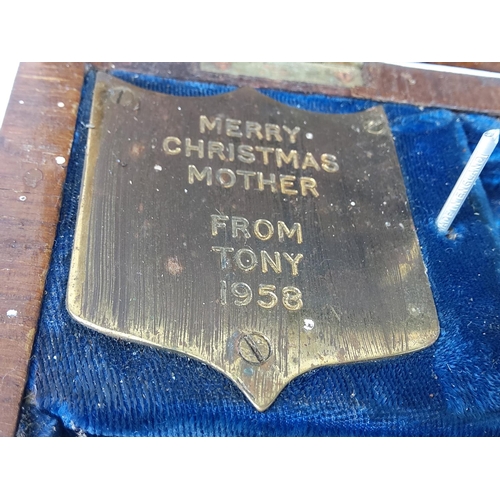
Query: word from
x=261 y=228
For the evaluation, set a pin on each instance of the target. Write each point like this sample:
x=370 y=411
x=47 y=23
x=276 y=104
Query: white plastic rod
x=469 y=176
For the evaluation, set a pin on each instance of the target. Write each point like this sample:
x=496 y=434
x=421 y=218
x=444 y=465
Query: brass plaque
x=262 y=239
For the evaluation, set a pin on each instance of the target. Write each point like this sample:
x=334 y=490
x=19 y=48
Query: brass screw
x=375 y=126
x=124 y=97
x=254 y=348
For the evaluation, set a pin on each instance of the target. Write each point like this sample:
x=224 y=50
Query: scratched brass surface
x=290 y=258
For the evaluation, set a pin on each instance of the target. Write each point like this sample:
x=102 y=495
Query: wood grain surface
x=483 y=66
x=36 y=136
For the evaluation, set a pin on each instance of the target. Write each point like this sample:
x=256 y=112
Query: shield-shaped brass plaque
x=262 y=239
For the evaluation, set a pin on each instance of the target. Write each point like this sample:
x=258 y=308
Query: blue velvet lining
x=83 y=382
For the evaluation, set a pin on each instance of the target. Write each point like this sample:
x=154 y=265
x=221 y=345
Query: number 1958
x=291 y=297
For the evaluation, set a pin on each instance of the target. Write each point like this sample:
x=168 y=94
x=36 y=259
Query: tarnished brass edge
x=260 y=406
x=138 y=340
x=435 y=331
x=80 y=240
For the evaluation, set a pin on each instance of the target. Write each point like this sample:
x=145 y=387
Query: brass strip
x=346 y=75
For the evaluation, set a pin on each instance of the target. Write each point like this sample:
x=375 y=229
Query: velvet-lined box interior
x=84 y=383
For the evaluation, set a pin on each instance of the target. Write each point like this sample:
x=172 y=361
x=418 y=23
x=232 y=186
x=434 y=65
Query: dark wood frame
x=38 y=131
